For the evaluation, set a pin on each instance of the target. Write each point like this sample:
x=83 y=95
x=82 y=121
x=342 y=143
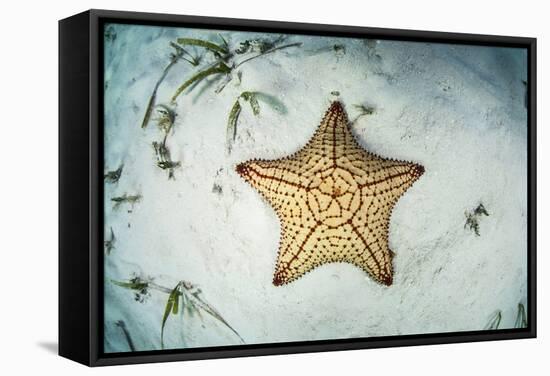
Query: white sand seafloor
x=457 y=110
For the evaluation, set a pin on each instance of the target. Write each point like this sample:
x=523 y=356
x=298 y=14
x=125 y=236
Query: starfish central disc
x=334 y=200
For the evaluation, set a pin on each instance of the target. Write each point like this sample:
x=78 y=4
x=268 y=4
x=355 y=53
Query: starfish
x=334 y=200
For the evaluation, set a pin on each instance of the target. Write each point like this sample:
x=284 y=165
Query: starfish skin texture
x=334 y=200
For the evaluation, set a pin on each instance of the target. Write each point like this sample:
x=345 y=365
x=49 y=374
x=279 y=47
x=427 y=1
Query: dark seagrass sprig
x=178 y=54
x=253 y=98
x=126 y=198
x=226 y=61
x=521 y=318
x=110 y=243
x=113 y=176
x=184 y=298
x=494 y=321
x=472 y=218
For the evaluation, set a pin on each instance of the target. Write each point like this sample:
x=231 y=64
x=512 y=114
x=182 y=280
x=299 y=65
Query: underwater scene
x=263 y=188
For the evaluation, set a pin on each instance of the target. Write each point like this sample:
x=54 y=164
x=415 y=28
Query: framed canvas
x=238 y=187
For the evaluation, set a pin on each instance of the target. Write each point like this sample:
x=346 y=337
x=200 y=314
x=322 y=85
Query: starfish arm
x=391 y=181
x=303 y=249
x=296 y=256
x=272 y=179
x=378 y=198
x=330 y=141
x=374 y=257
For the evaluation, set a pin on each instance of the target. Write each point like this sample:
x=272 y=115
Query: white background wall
x=28 y=199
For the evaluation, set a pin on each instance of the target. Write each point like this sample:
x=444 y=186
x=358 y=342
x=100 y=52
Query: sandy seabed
x=457 y=110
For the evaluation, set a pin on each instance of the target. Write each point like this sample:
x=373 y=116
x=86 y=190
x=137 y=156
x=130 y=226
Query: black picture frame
x=81 y=187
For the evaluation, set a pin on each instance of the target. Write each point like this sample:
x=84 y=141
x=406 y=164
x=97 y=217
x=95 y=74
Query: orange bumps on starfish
x=334 y=200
